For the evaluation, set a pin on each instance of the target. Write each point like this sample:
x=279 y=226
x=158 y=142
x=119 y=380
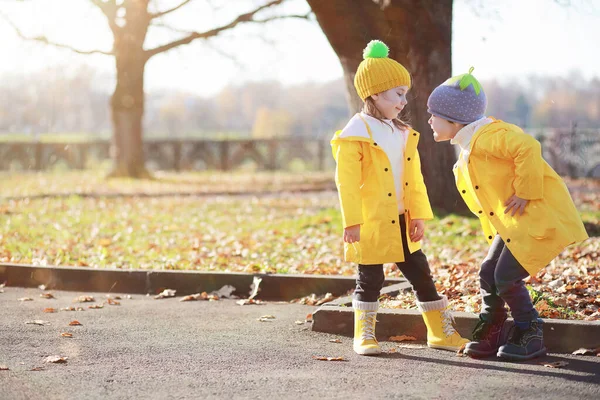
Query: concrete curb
x=82 y=279
x=560 y=336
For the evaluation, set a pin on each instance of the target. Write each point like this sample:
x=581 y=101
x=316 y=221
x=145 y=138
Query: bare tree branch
x=170 y=28
x=247 y=17
x=161 y=13
x=109 y=8
x=45 y=40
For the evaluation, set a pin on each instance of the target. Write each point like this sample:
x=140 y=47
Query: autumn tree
x=418 y=33
x=129 y=22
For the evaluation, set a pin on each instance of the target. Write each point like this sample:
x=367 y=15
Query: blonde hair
x=371 y=109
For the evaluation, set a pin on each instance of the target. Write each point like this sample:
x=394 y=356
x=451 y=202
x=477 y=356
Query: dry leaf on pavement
x=47 y=295
x=96 y=306
x=56 y=359
x=309 y=318
x=335 y=340
x=25 y=299
x=299 y=322
x=329 y=358
x=38 y=322
x=37 y=369
x=83 y=299
x=166 y=293
x=255 y=287
x=42 y=287
x=245 y=302
x=461 y=351
x=66 y=334
x=266 y=318
x=113 y=302
x=49 y=310
x=587 y=352
x=411 y=346
x=75 y=323
x=557 y=364
x=3 y=368
x=402 y=338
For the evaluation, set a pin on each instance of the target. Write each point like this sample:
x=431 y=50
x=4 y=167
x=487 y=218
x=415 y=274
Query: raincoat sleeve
x=419 y=207
x=348 y=181
x=526 y=154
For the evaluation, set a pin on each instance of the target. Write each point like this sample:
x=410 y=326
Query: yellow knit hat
x=378 y=73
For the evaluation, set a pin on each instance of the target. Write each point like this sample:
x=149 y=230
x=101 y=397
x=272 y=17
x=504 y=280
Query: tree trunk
x=418 y=33
x=127 y=102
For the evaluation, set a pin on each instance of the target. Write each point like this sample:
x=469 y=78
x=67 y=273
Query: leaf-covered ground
x=286 y=232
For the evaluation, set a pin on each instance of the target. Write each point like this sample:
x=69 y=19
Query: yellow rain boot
x=365 y=314
x=440 y=329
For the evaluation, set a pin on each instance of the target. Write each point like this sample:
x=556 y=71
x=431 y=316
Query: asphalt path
x=167 y=349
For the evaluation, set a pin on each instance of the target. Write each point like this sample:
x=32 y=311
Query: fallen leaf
x=402 y=338
x=268 y=317
x=47 y=295
x=49 y=310
x=117 y=297
x=461 y=351
x=25 y=299
x=335 y=340
x=38 y=322
x=225 y=292
x=113 y=302
x=245 y=302
x=411 y=346
x=309 y=318
x=84 y=299
x=75 y=323
x=254 y=287
x=392 y=350
x=72 y=309
x=42 y=287
x=66 y=334
x=299 y=322
x=329 y=358
x=585 y=352
x=3 y=368
x=557 y=364
x=37 y=369
x=166 y=293
x=96 y=306
x=261 y=319
x=55 y=359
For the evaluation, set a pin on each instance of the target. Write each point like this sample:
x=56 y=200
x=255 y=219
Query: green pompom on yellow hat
x=378 y=73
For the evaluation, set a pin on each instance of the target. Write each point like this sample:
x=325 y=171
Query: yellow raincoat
x=504 y=161
x=364 y=181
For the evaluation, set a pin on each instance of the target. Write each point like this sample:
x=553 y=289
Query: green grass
x=252 y=232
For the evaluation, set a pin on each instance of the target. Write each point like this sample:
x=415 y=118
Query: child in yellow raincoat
x=384 y=201
x=527 y=214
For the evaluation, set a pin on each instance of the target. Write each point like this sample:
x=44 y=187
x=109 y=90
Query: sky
x=503 y=40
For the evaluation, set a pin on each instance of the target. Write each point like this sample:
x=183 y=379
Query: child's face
x=391 y=102
x=443 y=129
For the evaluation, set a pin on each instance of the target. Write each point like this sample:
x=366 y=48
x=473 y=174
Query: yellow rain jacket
x=504 y=161
x=364 y=180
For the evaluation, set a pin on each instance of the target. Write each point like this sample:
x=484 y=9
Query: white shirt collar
x=464 y=136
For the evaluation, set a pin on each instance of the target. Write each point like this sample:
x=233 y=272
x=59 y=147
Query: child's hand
x=517 y=204
x=352 y=234
x=416 y=229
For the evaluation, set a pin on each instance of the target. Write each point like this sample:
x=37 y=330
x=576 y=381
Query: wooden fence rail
x=177 y=155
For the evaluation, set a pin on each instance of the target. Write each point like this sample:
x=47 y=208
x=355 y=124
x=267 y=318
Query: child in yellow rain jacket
x=384 y=201
x=527 y=214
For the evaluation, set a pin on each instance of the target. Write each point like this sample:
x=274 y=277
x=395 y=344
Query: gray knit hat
x=460 y=99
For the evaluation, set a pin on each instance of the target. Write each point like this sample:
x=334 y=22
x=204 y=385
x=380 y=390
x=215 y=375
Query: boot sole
x=516 y=357
x=477 y=354
x=440 y=347
x=372 y=352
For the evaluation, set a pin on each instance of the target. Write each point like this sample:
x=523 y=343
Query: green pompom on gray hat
x=460 y=99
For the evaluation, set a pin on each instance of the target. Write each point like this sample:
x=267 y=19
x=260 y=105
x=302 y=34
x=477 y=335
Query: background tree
x=418 y=33
x=129 y=22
